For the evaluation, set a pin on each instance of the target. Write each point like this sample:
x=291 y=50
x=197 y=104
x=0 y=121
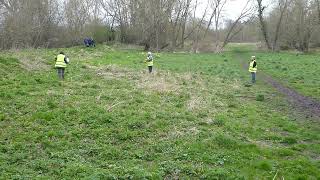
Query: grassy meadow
x=194 y=118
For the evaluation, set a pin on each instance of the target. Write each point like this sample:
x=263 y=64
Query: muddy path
x=307 y=106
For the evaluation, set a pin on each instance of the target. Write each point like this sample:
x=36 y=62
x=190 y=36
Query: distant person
x=61 y=64
x=92 y=42
x=86 y=42
x=253 y=67
x=89 y=42
x=149 y=62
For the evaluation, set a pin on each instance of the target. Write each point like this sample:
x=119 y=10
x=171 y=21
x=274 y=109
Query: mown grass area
x=193 y=118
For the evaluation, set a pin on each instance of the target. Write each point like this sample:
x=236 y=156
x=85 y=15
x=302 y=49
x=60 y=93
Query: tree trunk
x=276 y=36
x=185 y=17
x=263 y=24
x=318 y=7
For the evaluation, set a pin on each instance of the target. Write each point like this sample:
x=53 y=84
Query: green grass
x=300 y=72
x=109 y=119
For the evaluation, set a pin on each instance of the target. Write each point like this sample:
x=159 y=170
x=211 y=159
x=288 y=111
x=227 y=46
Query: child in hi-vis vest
x=149 y=62
x=61 y=64
x=253 y=68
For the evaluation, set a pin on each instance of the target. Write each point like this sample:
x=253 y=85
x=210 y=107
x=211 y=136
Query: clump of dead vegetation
x=161 y=82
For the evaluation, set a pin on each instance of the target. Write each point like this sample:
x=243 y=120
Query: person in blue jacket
x=89 y=42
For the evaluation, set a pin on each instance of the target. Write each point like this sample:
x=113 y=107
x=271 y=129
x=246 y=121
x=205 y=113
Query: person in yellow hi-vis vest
x=149 y=62
x=61 y=64
x=253 y=68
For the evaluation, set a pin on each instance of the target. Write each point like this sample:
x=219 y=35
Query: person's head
x=61 y=52
x=253 y=58
x=149 y=53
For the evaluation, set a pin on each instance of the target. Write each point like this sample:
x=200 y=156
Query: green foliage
x=264 y=165
x=289 y=140
x=225 y=141
x=103 y=34
x=217 y=174
x=260 y=97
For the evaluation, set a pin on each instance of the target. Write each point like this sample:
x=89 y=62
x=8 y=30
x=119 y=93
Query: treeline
x=49 y=23
x=283 y=25
x=159 y=24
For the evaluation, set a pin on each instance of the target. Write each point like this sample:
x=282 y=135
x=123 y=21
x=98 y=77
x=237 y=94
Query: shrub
x=2 y=117
x=260 y=97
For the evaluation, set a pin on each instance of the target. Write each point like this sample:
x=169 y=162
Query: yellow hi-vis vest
x=251 y=68
x=149 y=61
x=60 y=61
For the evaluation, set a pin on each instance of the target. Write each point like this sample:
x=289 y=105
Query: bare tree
x=318 y=8
x=184 y=21
x=283 y=4
x=263 y=25
x=176 y=15
x=155 y=23
x=247 y=12
x=217 y=8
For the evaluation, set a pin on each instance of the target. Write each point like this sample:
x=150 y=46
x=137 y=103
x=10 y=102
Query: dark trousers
x=61 y=73
x=253 y=77
x=150 y=69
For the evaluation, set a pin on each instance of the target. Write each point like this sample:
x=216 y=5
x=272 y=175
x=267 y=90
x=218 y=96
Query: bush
x=260 y=97
x=284 y=47
x=2 y=117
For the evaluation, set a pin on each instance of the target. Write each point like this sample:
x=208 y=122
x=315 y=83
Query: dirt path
x=306 y=105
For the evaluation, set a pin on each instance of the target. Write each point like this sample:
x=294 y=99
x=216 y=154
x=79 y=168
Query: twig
x=111 y=107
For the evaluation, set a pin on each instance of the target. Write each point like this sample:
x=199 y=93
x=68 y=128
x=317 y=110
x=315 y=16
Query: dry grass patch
x=114 y=72
x=83 y=55
x=182 y=132
x=33 y=63
x=159 y=83
x=196 y=103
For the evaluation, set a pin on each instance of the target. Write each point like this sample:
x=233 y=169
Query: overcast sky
x=232 y=9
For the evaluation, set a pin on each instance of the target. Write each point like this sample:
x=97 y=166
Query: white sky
x=233 y=7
